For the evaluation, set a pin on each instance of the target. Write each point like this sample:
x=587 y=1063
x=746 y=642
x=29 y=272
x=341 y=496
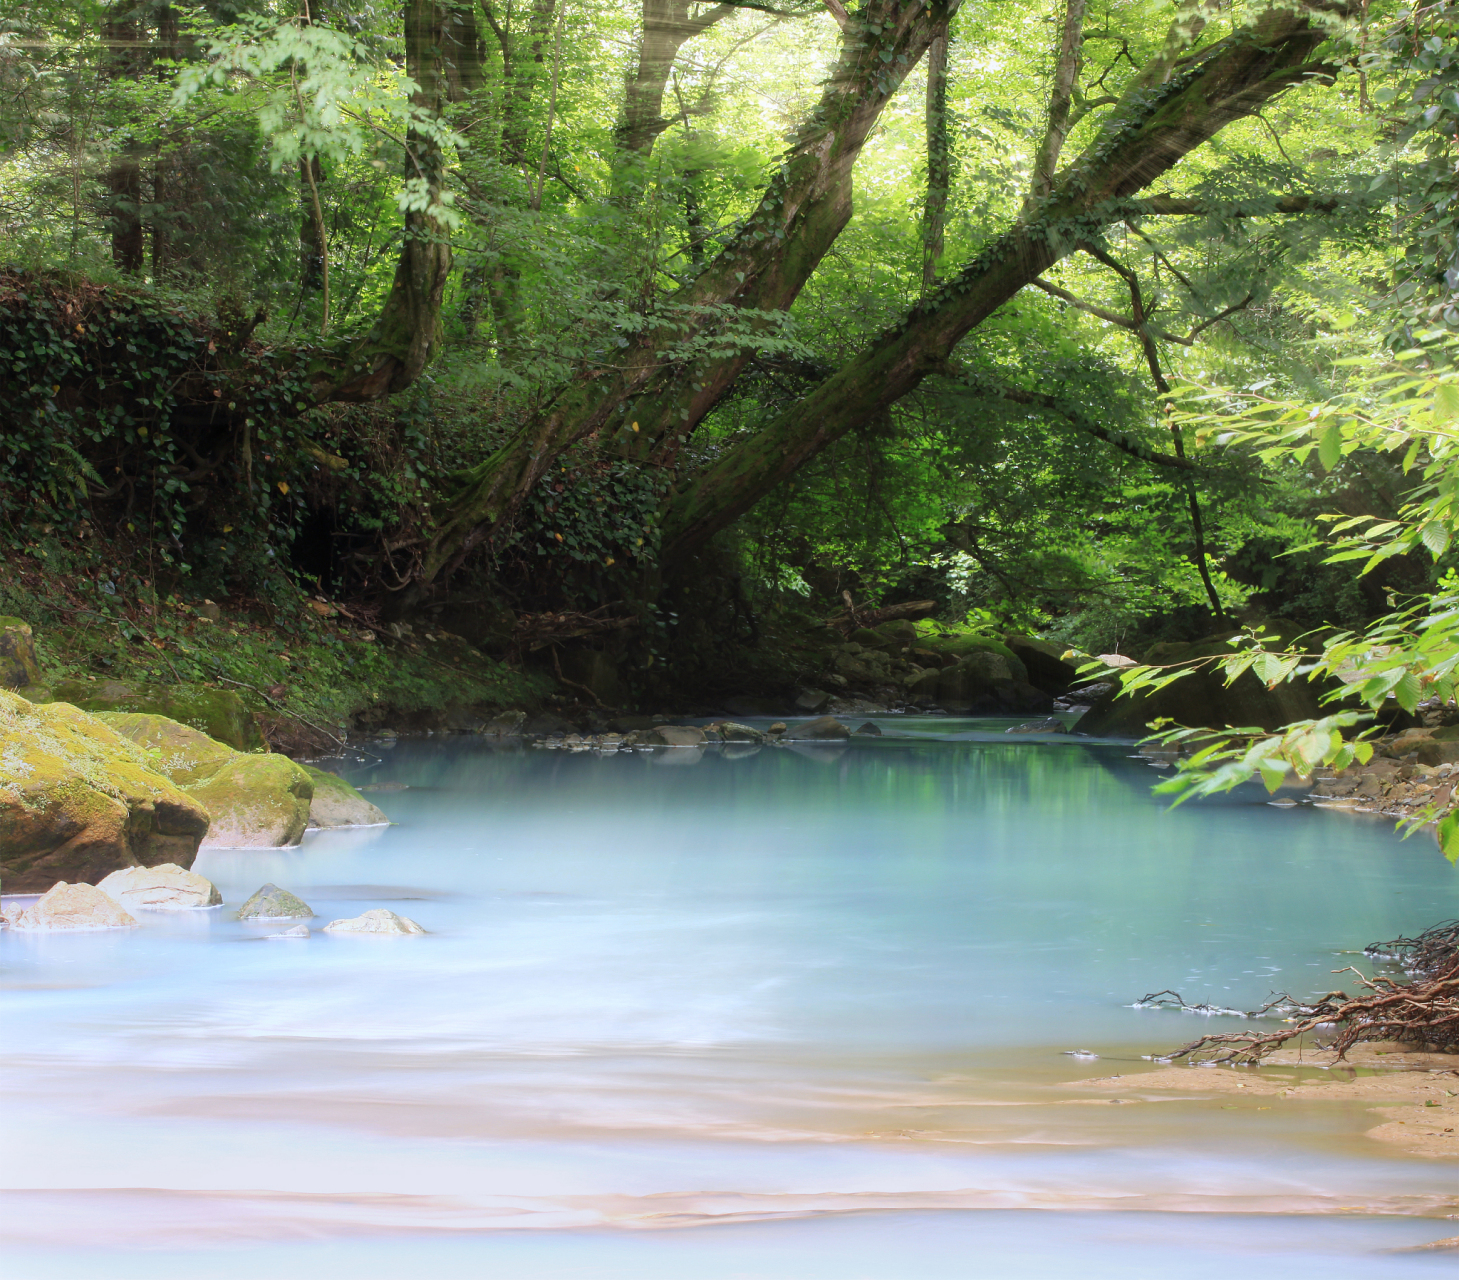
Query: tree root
x=1421 y=1011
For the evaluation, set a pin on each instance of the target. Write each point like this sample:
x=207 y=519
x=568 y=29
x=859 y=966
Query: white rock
x=162 y=888
x=75 y=907
x=379 y=921
x=298 y=931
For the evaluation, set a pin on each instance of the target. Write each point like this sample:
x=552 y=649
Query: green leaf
x=1329 y=447
x=1435 y=537
x=1446 y=402
x=1449 y=837
x=1408 y=692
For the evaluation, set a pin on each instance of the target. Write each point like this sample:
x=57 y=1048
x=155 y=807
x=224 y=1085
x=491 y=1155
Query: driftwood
x=1421 y=1011
x=853 y=615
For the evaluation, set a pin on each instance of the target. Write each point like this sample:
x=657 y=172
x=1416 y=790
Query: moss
x=219 y=713
x=178 y=751
x=17 y=654
x=78 y=800
x=256 y=802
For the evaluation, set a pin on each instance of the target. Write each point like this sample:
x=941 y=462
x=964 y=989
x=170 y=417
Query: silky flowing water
x=786 y=1014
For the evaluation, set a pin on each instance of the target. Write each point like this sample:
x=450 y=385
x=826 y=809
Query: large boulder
x=337 y=804
x=256 y=802
x=378 y=921
x=673 y=735
x=18 y=666
x=1044 y=662
x=182 y=753
x=964 y=645
x=78 y=800
x=164 y=888
x=74 y=907
x=219 y=713
x=1202 y=700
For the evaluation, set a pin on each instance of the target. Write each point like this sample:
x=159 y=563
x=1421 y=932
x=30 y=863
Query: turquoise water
x=794 y=1012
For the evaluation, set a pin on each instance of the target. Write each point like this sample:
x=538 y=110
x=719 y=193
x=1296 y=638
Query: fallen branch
x=853 y=616
x=282 y=710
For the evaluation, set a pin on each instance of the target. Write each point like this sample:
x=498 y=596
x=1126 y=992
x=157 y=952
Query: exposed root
x=1428 y=955
x=1421 y=1011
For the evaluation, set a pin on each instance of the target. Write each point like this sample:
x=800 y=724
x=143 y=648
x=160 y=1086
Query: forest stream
x=782 y=1013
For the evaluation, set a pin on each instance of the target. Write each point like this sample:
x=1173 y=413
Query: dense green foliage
x=217 y=216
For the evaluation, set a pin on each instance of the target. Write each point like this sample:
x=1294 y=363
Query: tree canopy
x=594 y=304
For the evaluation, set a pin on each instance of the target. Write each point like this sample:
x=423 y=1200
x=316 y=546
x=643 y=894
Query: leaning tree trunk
x=939 y=161
x=1174 y=106
x=763 y=268
x=407 y=333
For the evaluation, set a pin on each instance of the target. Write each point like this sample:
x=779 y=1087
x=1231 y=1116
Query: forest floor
x=311 y=672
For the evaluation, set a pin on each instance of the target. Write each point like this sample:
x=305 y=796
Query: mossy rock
x=965 y=644
x=256 y=802
x=176 y=750
x=17 y=654
x=79 y=801
x=219 y=713
x=337 y=804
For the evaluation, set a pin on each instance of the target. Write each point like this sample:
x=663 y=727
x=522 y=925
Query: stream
x=781 y=1014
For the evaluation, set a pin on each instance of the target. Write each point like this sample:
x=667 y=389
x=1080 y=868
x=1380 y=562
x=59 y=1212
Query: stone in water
x=298 y=931
x=273 y=903
x=378 y=921
x=163 y=888
x=75 y=907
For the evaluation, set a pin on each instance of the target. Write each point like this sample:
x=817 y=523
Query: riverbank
x=310 y=672
x=1416 y=1094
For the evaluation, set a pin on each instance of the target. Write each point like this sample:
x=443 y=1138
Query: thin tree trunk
x=407 y=334
x=939 y=161
x=1066 y=79
x=664 y=28
x=1168 y=113
x=125 y=57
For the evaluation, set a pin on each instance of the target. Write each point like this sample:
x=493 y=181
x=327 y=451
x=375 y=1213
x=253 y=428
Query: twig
x=282 y=710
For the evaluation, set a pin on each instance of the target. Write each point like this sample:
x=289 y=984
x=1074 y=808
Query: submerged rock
x=377 y=921
x=76 y=908
x=730 y=731
x=273 y=903
x=298 y=931
x=1040 y=726
x=337 y=804
x=78 y=800
x=675 y=735
x=162 y=888
x=256 y=802
x=822 y=728
x=868 y=730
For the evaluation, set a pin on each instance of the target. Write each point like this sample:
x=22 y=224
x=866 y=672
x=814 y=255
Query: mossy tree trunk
x=1180 y=100
x=762 y=269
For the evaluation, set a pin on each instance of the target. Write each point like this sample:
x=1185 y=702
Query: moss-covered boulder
x=18 y=666
x=79 y=801
x=256 y=802
x=182 y=753
x=963 y=645
x=337 y=804
x=219 y=713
